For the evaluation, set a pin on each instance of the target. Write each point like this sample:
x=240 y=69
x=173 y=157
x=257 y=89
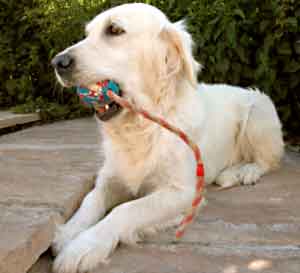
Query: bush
x=33 y=32
x=252 y=43
x=249 y=43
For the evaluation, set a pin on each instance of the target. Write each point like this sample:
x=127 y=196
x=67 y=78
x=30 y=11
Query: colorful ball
x=98 y=93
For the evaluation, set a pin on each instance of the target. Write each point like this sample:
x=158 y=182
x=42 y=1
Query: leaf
x=11 y=86
x=214 y=21
x=259 y=72
x=236 y=78
x=272 y=76
x=263 y=25
x=208 y=32
x=283 y=92
x=237 y=67
x=292 y=22
x=292 y=67
x=284 y=48
x=231 y=34
x=286 y=113
x=223 y=66
x=294 y=80
x=244 y=40
x=242 y=54
x=297 y=47
x=247 y=72
x=239 y=13
x=268 y=43
x=218 y=32
x=262 y=58
x=211 y=59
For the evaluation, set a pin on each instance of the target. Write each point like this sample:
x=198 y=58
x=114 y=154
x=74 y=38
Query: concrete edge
x=18 y=119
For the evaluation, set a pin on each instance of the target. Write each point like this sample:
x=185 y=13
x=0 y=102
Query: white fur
x=148 y=174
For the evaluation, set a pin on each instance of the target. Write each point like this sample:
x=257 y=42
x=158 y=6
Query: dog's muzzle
x=93 y=95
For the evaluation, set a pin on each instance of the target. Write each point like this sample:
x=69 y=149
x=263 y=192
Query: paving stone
x=9 y=119
x=45 y=171
x=80 y=132
x=183 y=259
x=24 y=235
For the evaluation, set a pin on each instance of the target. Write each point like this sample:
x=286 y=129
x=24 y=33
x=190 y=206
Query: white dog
x=148 y=175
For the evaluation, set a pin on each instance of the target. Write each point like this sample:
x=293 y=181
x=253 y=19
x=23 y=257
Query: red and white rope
x=199 y=169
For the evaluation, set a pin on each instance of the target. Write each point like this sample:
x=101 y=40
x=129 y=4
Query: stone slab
x=25 y=233
x=9 y=119
x=242 y=230
x=45 y=171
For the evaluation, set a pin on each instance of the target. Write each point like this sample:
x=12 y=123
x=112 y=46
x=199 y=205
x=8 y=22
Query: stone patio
x=45 y=171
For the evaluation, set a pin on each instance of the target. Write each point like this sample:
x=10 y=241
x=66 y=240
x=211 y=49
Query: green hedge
x=252 y=43
x=249 y=43
x=33 y=31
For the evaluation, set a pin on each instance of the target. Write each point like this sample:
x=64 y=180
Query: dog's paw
x=89 y=249
x=245 y=174
x=250 y=174
x=63 y=235
x=59 y=240
x=228 y=178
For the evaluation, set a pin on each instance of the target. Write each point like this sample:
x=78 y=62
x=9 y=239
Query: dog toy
x=109 y=91
x=98 y=94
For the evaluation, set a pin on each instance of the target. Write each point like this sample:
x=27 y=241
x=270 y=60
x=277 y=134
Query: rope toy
x=108 y=91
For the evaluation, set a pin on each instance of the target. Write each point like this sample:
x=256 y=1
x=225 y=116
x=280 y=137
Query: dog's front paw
x=63 y=235
x=228 y=178
x=89 y=249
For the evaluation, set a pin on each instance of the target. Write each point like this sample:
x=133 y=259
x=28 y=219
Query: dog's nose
x=63 y=62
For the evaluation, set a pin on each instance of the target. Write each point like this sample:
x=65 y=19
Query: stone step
x=45 y=171
x=9 y=119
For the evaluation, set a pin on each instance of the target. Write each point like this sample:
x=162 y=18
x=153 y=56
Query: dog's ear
x=179 y=57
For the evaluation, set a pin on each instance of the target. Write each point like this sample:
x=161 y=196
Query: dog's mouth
x=96 y=95
x=108 y=111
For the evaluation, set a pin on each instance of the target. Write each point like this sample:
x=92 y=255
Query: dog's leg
x=107 y=193
x=122 y=224
x=261 y=144
x=91 y=210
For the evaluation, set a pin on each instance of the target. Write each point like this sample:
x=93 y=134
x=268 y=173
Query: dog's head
x=136 y=46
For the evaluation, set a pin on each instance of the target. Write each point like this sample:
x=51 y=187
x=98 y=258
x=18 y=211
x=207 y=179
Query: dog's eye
x=114 y=30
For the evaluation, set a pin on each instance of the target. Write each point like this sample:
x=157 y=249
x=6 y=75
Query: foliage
x=51 y=110
x=33 y=32
x=249 y=43
x=252 y=43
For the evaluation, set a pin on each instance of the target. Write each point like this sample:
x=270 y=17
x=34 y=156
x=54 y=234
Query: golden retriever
x=148 y=174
